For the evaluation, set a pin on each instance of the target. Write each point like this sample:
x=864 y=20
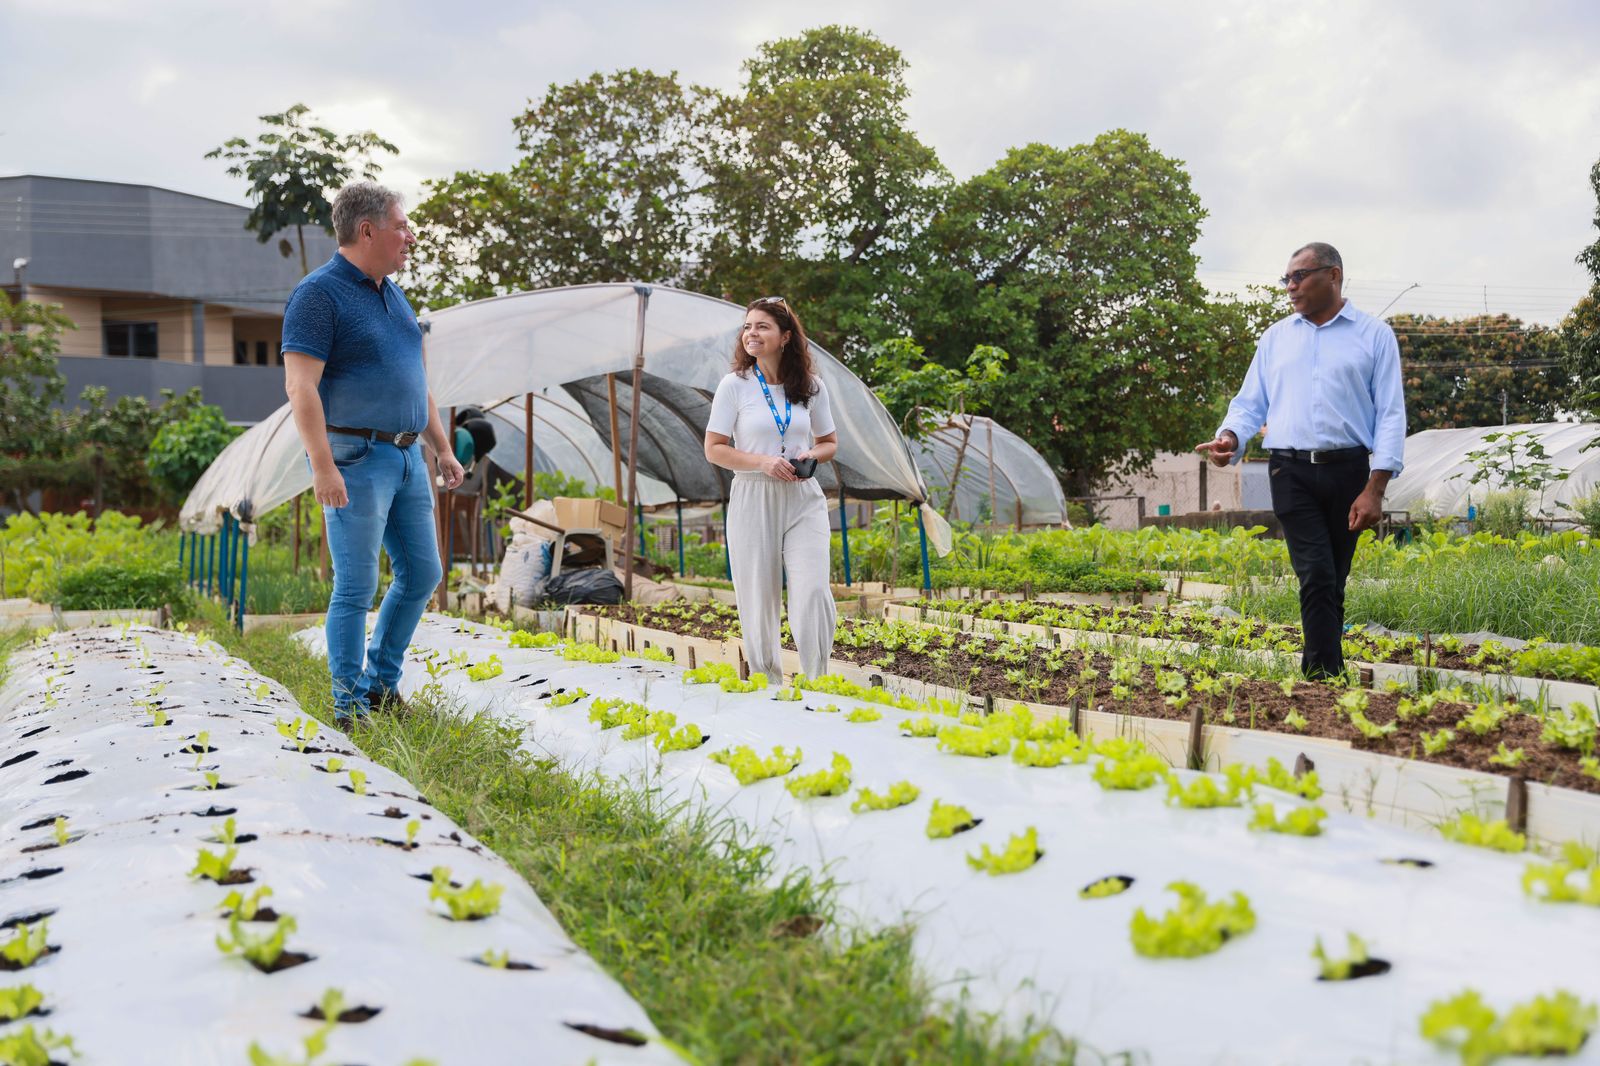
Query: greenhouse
x=1438 y=472
x=1000 y=478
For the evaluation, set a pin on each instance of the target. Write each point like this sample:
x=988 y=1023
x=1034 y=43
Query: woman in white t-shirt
x=771 y=425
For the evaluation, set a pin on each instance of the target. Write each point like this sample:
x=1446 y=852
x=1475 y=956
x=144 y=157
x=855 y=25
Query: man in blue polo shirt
x=352 y=357
x=1326 y=383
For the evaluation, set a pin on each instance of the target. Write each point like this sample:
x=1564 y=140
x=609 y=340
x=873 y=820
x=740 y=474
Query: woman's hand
x=776 y=466
x=807 y=454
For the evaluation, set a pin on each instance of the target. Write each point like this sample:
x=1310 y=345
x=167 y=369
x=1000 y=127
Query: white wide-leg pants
x=777 y=528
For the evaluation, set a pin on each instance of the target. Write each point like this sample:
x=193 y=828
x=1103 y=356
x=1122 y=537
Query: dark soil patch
x=263 y=914
x=630 y=1037
x=974 y=663
x=238 y=876
x=350 y=1016
x=401 y=844
x=389 y=812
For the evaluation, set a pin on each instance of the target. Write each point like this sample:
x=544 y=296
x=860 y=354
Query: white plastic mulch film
x=999 y=477
x=570 y=339
x=1025 y=944
x=1439 y=472
x=134 y=975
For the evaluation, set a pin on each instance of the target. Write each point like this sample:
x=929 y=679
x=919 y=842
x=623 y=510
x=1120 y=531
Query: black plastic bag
x=581 y=586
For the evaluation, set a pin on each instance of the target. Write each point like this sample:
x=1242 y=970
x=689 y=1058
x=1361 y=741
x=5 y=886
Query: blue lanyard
x=788 y=414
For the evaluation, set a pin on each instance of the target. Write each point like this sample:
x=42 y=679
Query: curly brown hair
x=794 y=362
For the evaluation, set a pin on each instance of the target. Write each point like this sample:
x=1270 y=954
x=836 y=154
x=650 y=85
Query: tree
x=291 y=168
x=817 y=185
x=1079 y=262
x=918 y=392
x=31 y=387
x=184 y=446
x=1582 y=327
x=1471 y=371
x=606 y=190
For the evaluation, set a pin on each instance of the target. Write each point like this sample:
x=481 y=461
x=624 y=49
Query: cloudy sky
x=1446 y=144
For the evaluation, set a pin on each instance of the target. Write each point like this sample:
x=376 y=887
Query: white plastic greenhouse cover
x=996 y=472
x=1438 y=470
x=483 y=352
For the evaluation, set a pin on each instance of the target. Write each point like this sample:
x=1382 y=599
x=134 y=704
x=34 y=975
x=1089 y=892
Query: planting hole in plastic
x=215 y=812
x=42 y=823
x=27 y=919
x=348 y=1016
x=630 y=1037
x=1420 y=864
x=23 y=756
x=1369 y=968
x=70 y=775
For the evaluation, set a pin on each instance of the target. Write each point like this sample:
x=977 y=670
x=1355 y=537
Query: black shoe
x=388 y=701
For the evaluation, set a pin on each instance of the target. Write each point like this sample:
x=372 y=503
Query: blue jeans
x=391 y=503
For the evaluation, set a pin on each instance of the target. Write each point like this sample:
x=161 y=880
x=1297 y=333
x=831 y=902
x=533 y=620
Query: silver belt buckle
x=1315 y=457
x=405 y=440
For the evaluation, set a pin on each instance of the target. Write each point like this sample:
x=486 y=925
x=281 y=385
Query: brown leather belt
x=1331 y=455
x=399 y=440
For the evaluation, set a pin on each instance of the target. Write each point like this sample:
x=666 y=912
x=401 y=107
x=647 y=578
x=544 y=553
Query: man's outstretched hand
x=1221 y=450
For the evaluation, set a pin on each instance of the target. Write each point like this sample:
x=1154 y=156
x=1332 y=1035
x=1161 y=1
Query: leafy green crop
x=610 y=713
x=1021 y=852
x=1105 y=887
x=1552 y=882
x=948 y=819
x=358 y=782
x=749 y=767
x=1132 y=773
x=710 y=674
x=213 y=866
x=686 y=738
x=563 y=699
x=920 y=727
x=1050 y=752
x=1340 y=969
x=864 y=714
x=31 y=1047
x=245 y=906
x=900 y=793
x=1468 y=828
x=300 y=732
x=757 y=682
x=19 y=1001
x=1557 y=1024
x=834 y=781
x=582 y=652
x=992 y=739
x=27 y=944
x=791 y=694
x=263 y=950
x=1203 y=792
x=476 y=900
x=655 y=655
x=1301 y=821
x=1195 y=927
x=490 y=667
x=523 y=639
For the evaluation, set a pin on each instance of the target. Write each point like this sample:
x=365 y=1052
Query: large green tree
x=1080 y=263
x=1480 y=370
x=292 y=168
x=31 y=388
x=817 y=183
x=1582 y=327
x=605 y=190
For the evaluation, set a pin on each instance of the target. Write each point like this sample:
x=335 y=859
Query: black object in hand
x=804 y=468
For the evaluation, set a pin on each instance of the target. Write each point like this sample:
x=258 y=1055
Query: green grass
x=679 y=906
x=1515 y=594
x=10 y=641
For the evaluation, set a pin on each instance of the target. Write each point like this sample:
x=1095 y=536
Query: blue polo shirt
x=368 y=336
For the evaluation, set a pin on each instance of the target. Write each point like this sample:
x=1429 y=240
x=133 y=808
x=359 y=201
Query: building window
x=135 y=339
x=241 y=353
x=261 y=353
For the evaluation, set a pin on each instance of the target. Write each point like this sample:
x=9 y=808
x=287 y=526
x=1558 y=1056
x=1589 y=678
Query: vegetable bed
x=1078 y=881
x=192 y=871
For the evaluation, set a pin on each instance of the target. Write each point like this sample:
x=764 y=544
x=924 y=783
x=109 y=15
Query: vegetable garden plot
x=1026 y=873
x=188 y=865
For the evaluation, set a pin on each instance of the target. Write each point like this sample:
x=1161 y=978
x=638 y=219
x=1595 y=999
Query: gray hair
x=1325 y=254
x=358 y=202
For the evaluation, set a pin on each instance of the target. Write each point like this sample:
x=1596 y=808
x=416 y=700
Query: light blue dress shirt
x=1336 y=385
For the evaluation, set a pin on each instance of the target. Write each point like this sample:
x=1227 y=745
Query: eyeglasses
x=1297 y=276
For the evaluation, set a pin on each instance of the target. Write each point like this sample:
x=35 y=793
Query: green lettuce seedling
x=1048 y=753
x=992 y=739
x=749 y=767
x=1280 y=778
x=920 y=727
x=1301 y=821
x=476 y=900
x=490 y=667
x=589 y=653
x=789 y=695
x=947 y=819
x=212 y=866
x=246 y=907
x=1296 y=721
x=523 y=639
x=757 y=682
x=27 y=944
x=262 y=950
x=686 y=738
x=1132 y=773
x=1203 y=792
x=358 y=782
x=655 y=655
x=19 y=1002
x=202 y=741
x=1557 y=1024
x=1468 y=828
x=32 y=1047
x=833 y=781
x=1438 y=741
x=1508 y=757
x=212 y=780
x=1106 y=886
x=900 y=793
x=262 y=691
x=499 y=960
x=710 y=673
x=1021 y=852
x=412 y=828
x=1370 y=729
x=1552 y=882
x=333 y=764
x=862 y=715
x=1340 y=969
x=562 y=699
x=300 y=732
x=60 y=827
x=1195 y=927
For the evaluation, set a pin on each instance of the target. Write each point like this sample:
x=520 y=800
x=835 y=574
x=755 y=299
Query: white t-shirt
x=740 y=411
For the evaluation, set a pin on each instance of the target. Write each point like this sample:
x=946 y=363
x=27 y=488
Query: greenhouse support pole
x=194 y=546
x=244 y=583
x=680 y=538
x=181 y=539
x=442 y=513
x=527 y=452
x=211 y=559
x=222 y=559
x=233 y=564
x=643 y=292
x=994 y=506
x=922 y=532
x=616 y=445
x=844 y=529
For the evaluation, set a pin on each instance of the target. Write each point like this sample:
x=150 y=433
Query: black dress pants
x=1312 y=501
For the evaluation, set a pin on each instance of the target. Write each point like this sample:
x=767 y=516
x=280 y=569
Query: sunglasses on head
x=779 y=300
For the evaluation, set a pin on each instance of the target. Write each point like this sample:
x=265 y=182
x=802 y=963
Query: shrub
x=182 y=450
x=1587 y=510
x=1505 y=513
x=139 y=583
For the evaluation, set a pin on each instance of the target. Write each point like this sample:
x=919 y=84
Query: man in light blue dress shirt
x=1326 y=383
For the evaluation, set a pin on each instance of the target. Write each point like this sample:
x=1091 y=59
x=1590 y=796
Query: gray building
x=166 y=290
